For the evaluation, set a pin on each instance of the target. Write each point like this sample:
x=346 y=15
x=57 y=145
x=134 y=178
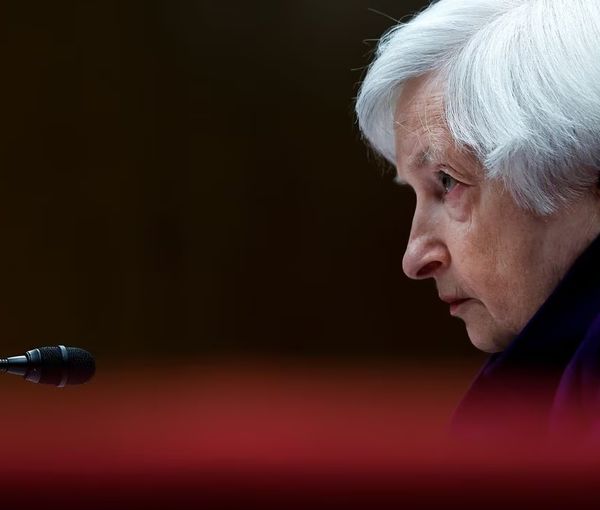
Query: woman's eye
x=447 y=181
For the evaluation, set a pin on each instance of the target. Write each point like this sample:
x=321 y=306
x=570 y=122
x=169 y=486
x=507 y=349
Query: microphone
x=58 y=365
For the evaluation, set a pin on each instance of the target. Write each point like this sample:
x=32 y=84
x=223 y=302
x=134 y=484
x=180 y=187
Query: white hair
x=521 y=89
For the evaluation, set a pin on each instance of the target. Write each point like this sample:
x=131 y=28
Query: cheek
x=484 y=268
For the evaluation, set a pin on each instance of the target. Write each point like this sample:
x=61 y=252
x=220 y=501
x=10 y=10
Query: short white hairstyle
x=521 y=90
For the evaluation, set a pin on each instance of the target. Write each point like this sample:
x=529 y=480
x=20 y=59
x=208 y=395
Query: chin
x=486 y=339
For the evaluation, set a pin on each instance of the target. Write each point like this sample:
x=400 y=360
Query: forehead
x=419 y=130
x=419 y=102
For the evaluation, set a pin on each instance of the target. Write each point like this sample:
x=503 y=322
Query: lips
x=450 y=299
x=454 y=301
x=457 y=301
x=455 y=305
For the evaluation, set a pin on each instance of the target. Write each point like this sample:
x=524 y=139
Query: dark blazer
x=548 y=379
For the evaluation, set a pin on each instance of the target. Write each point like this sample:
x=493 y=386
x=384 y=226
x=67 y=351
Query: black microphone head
x=60 y=365
x=82 y=366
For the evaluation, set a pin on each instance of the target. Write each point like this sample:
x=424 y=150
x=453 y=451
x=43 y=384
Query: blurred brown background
x=187 y=178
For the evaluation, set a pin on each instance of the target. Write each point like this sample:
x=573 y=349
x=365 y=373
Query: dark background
x=187 y=178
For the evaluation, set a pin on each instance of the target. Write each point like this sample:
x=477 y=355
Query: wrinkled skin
x=471 y=237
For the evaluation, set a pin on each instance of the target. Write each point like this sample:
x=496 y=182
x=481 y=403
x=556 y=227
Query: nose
x=426 y=253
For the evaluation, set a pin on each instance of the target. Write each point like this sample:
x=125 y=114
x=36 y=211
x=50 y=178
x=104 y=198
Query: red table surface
x=269 y=434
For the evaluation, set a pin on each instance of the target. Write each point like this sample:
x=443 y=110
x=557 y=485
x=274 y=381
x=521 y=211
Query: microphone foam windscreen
x=82 y=365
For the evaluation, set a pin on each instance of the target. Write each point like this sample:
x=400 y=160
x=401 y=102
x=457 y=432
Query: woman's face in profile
x=493 y=262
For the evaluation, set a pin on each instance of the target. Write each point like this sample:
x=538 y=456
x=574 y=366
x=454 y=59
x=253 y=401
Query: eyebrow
x=423 y=158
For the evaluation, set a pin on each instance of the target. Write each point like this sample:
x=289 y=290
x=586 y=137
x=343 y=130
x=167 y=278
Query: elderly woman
x=490 y=111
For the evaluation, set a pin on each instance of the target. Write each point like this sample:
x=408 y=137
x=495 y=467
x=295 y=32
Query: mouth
x=456 y=304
